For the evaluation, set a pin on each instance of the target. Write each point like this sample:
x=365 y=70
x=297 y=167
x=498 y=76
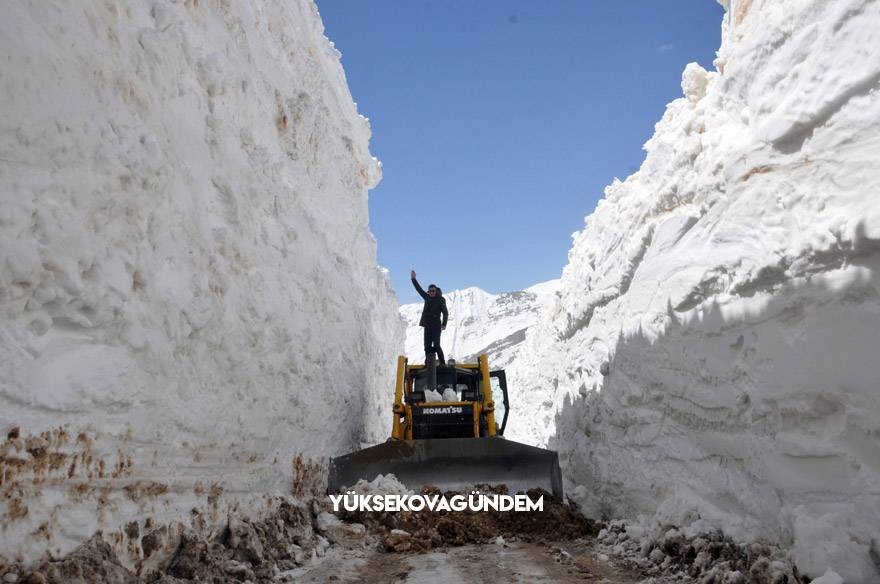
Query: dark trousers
x=432 y=343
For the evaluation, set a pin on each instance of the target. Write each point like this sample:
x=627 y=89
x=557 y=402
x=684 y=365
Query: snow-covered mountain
x=183 y=219
x=480 y=322
x=712 y=359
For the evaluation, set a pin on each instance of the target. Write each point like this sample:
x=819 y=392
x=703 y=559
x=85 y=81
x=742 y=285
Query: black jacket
x=434 y=308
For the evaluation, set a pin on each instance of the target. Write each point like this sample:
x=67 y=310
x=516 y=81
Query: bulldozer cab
x=465 y=382
x=453 y=401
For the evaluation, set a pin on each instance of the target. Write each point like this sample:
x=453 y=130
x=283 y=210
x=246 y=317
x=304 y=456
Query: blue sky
x=499 y=123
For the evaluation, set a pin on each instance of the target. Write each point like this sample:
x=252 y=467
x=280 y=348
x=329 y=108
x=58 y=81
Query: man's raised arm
x=415 y=282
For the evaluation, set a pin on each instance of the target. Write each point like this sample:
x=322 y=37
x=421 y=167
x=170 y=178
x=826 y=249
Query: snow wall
x=714 y=357
x=189 y=290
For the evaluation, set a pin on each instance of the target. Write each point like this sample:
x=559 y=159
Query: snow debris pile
x=292 y=535
x=480 y=322
x=711 y=360
x=188 y=285
x=709 y=557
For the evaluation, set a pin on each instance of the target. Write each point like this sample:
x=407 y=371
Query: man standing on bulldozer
x=434 y=317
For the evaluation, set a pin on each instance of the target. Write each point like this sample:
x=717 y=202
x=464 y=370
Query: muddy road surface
x=516 y=562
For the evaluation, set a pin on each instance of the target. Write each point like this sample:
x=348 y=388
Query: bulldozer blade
x=451 y=464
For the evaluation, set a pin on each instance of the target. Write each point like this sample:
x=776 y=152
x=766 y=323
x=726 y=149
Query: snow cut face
x=711 y=360
x=188 y=285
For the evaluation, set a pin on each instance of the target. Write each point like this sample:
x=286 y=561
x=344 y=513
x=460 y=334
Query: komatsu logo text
x=446 y=410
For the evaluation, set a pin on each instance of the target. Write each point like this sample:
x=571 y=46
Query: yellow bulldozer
x=447 y=431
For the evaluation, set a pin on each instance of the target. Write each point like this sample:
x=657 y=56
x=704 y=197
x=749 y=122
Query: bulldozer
x=453 y=442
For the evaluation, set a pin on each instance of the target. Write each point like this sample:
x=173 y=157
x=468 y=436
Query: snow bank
x=188 y=285
x=712 y=358
x=480 y=322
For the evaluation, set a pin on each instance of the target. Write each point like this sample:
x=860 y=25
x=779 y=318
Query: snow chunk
x=829 y=577
x=694 y=82
x=340 y=532
x=399 y=540
x=381 y=485
x=449 y=395
x=432 y=396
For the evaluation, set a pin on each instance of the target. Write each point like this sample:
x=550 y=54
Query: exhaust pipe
x=431 y=363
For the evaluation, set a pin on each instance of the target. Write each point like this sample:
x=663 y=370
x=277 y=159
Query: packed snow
x=189 y=290
x=711 y=361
